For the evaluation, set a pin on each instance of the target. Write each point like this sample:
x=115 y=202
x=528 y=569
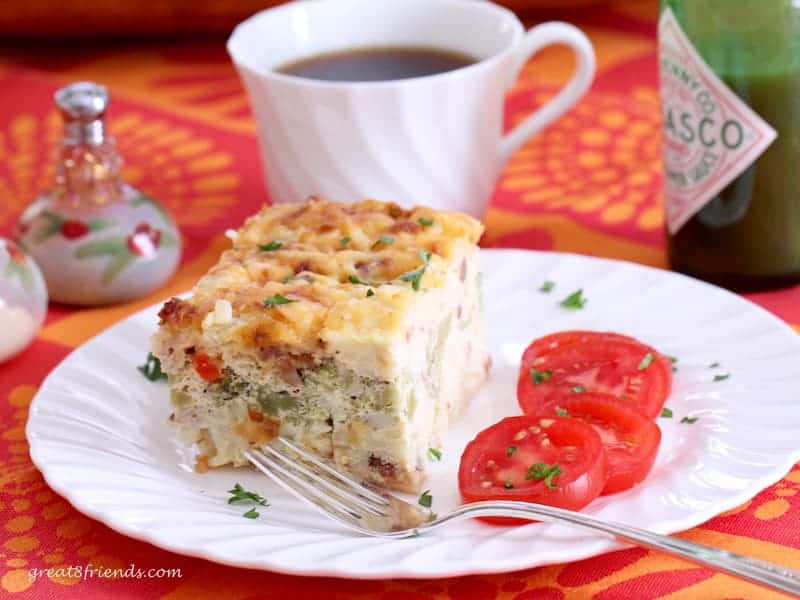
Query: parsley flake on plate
x=722 y=377
x=426 y=499
x=435 y=453
x=666 y=413
x=251 y=514
x=540 y=470
x=239 y=494
x=713 y=365
x=547 y=287
x=689 y=420
x=575 y=301
x=152 y=368
x=277 y=300
x=273 y=245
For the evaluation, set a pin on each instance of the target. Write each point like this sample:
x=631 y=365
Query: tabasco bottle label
x=710 y=134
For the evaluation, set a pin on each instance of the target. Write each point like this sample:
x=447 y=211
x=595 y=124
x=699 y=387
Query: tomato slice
x=630 y=440
x=592 y=361
x=206 y=367
x=549 y=460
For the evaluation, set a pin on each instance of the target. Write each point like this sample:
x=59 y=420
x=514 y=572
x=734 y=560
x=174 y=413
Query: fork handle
x=755 y=570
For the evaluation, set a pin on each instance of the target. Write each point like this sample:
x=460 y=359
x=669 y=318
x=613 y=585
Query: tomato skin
x=598 y=361
x=630 y=440
x=206 y=368
x=583 y=463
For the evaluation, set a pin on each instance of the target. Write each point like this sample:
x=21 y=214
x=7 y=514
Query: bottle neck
x=80 y=132
x=87 y=167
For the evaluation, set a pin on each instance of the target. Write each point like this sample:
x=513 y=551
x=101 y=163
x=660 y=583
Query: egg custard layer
x=353 y=329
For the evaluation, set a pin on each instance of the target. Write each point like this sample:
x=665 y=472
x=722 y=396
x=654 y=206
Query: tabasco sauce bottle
x=730 y=89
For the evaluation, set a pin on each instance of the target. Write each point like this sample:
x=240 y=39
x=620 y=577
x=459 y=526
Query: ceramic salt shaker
x=97 y=239
x=23 y=299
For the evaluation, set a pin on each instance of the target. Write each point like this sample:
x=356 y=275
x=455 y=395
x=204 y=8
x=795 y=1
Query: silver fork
x=370 y=512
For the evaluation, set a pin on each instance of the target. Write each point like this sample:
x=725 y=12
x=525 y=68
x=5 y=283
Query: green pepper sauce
x=748 y=236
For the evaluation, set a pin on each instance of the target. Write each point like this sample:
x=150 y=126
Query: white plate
x=98 y=432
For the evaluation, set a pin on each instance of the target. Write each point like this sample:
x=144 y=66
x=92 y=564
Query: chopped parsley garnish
x=575 y=300
x=370 y=293
x=689 y=420
x=562 y=412
x=646 y=361
x=384 y=239
x=578 y=389
x=425 y=222
x=508 y=485
x=239 y=494
x=273 y=245
x=666 y=413
x=426 y=499
x=721 y=377
x=152 y=368
x=674 y=361
x=357 y=280
x=415 y=277
x=435 y=453
x=345 y=240
x=251 y=514
x=547 y=287
x=539 y=471
x=713 y=365
x=510 y=450
x=540 y=376
x=277 y=300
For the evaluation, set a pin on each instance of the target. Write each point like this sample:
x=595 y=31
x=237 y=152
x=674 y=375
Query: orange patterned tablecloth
x=591 y=184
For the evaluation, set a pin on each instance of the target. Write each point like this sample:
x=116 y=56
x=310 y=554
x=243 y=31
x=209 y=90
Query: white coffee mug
x=434 y=140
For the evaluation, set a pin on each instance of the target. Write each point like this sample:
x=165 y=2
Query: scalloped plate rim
x=600 y=545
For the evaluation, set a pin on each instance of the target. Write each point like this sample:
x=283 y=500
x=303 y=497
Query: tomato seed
x=521 y=435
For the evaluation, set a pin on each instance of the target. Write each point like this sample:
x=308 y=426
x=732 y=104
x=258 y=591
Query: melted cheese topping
x=323 y=257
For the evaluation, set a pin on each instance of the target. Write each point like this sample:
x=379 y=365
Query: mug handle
x=536 y=39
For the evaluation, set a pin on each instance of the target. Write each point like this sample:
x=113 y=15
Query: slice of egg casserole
x=353 y=329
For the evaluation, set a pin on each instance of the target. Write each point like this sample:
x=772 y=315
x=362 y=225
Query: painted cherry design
x=73 y=230
x=144 y=240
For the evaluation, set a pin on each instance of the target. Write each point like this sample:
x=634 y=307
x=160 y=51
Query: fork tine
x=335 y=488
x=302 y=489
x=362 y=490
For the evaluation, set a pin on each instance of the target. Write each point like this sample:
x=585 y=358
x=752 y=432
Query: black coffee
x=377 y=64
